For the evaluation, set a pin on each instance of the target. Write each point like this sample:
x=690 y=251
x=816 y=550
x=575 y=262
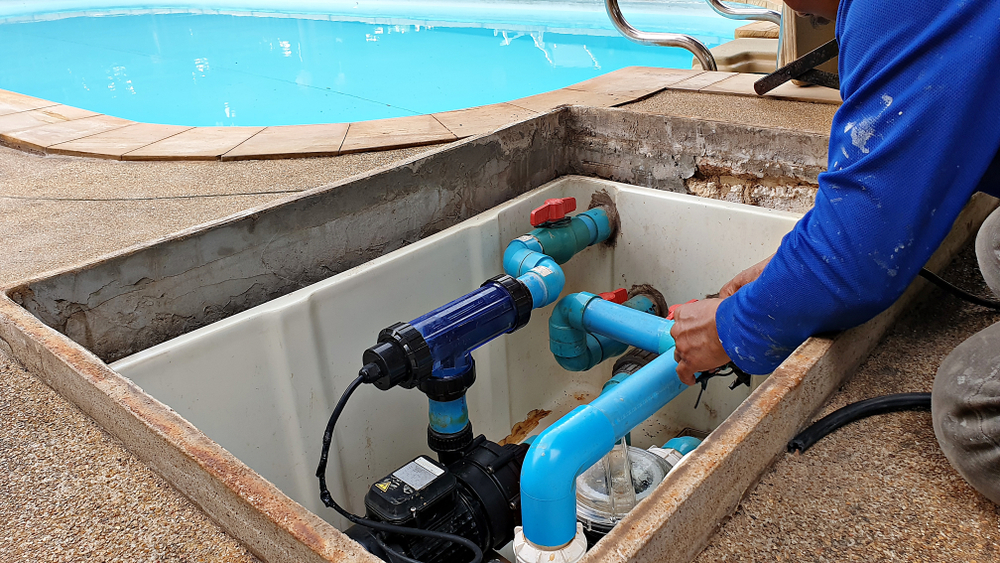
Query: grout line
x=453 y=134
x=121 y=157
x=243 y=141
x=344 y=140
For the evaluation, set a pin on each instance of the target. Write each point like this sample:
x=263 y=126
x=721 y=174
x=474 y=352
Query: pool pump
x=475 y=497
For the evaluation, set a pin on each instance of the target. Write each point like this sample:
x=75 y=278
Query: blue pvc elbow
x=583 y=325
x=579 y=440
x=683 y=444
x=577 y=350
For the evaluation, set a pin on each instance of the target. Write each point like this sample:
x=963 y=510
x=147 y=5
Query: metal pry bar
x=803 y=68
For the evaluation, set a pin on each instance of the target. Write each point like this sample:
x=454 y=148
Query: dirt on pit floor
x=878 y=489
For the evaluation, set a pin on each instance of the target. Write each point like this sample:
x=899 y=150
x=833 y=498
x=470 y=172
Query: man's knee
x=988 y=251
x=965 y=406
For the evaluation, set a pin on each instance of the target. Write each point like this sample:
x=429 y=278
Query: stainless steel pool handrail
x=697 y=48
x=757 y=14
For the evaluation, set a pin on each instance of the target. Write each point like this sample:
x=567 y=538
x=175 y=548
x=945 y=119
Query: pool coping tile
x=481 y=119
x=637 y=81
x=24 y=120
x=395 y=133
x=27 y=122
x=12 y=102
x=570 y=97
x=116 y=142
x=702 y=80
x=42 y=137
x=197 y=143
x=742 y=85
x=285 y=141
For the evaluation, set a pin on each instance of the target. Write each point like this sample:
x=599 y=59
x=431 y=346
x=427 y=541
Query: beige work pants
x=965 y=402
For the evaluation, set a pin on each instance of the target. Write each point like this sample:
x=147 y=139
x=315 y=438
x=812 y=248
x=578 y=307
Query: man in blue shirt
x=918 y=133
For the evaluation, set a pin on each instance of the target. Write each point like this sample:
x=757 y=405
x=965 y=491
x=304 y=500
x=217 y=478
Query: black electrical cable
x=857 y=411
x=395 y=555
x=957 y=291
x=324 y=493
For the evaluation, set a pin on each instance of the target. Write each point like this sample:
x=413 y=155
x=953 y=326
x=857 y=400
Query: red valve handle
x=552 y=210
x=670 y=309
x=617 y=296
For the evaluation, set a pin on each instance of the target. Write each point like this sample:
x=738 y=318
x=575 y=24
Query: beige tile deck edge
x=679 y=518
x=657 y=87
x=28 y=103
x=13 y=140
x=59 y=150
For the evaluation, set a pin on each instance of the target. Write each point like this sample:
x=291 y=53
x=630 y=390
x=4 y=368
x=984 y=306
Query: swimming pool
x=324 y=62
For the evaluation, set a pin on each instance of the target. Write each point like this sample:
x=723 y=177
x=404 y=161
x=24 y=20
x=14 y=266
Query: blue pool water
x=332 y=62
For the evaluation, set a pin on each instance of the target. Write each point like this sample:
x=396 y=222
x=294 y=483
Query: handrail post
x=696 y=47
x=757 y=14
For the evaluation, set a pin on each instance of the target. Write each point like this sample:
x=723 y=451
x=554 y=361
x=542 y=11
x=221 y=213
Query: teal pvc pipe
x=448 y=417
x=578 y=440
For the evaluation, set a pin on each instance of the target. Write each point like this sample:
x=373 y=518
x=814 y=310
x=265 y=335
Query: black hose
x=957 y=291
x=324 y=493
x=857 y=411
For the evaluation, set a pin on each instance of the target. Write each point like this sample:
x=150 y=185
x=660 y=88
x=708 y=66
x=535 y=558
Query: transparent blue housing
x=454 y=330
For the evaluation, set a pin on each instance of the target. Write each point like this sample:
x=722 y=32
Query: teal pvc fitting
x=578 y=440
x=576 y=352
x=564 y=239
x=534 y=258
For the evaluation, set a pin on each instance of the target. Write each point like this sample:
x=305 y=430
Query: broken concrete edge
x=220 y=149
x=676 y=522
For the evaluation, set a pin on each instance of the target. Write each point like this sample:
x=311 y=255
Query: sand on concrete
x=878 y=489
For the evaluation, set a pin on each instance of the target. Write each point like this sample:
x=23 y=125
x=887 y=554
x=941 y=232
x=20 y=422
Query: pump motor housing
x=476 y=497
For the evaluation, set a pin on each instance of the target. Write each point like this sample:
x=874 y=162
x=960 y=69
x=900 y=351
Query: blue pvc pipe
x=626 y=325
x=582 y=321
x=578 y=440
x=449 y=417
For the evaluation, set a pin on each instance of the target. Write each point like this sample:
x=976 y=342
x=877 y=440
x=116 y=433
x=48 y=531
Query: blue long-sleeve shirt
x=918 y=133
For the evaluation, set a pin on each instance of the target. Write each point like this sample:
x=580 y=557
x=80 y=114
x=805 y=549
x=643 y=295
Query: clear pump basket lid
x=593 y=504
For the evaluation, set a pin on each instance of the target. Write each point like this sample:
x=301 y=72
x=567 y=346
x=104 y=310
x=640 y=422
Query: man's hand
x=743 y=278
x=698 y=347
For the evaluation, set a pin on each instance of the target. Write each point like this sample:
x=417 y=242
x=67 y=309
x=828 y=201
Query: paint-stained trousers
x=965 y=403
